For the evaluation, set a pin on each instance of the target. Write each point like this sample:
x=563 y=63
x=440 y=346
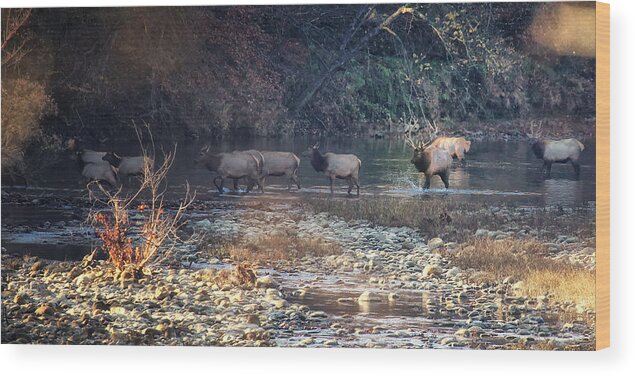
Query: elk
x=129 y=166
x=100 y=172
x=431 y=160
x=341 y=166
x=555 y=151
x=84 y=155
x=280 y=163
x=456 y=146
x=234 y=165
x=558 y=151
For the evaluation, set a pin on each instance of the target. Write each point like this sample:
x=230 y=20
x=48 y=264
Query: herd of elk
x=107 y=167
x=432 y=156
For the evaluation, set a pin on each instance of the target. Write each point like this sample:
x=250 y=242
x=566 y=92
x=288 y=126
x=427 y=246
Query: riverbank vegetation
x=458 y=219
x=273 y=70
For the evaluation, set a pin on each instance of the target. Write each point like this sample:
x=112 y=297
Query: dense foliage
x=213 y=71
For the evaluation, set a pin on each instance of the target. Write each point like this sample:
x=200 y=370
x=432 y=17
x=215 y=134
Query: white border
x=618 y=360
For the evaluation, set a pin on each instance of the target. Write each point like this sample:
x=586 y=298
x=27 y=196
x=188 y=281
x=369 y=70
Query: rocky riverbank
x=373 y=286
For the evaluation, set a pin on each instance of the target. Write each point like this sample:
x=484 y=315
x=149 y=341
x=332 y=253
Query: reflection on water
x=493 y=168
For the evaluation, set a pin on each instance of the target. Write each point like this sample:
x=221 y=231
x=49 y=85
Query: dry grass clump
x=575 y=285
x=276 y=247
x=502 y=258
x=525 y=260
x=431 y=216
x=242 y=275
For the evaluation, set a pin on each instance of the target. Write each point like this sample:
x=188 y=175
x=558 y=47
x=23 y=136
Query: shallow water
x=493 y=170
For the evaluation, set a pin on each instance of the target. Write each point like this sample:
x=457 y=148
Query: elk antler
x=535 y=130
x=409 y=141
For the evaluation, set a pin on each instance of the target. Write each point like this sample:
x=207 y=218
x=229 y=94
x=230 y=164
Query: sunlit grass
x=525 y=260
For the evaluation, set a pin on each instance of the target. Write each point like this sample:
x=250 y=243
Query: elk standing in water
x=129 y=166
x=234 y=165
x=555 y=151
x=456 y=146
x=558 y=151
x=341 y=166
x=431 y=161
x=280 y=163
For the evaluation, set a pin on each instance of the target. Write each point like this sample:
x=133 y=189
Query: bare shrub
x=131 y=254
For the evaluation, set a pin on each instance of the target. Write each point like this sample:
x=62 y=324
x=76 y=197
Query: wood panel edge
x=602 y=280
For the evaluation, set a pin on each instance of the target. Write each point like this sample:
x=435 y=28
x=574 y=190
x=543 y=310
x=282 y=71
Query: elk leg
x=446 y=179
x=427 y=183
x=295 y=179
x=235 y=185
x=350 y=184
x=219 y=187
x=331 y=181
x=548 y=169
x=356 y=182
x=261 y=185
x=250 y=186
x=576 y=168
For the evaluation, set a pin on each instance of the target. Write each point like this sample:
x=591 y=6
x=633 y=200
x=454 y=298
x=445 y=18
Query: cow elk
x=234 y=165
x=555 y=151
x=129 y=166
x=340 y=166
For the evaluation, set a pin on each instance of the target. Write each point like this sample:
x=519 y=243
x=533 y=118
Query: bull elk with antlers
x=429 y=159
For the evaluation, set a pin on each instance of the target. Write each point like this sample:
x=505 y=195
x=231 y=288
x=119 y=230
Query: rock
x=435 y=243
x=448 y=340
x=369 y=297
x=453 y=272
x=431 y=270
x=481 y=232
x=588 y=251
x=345 y=300
x=318 y=315
x=266 y=282
x=83 y=280
x=100 y=306
x=408 y=245
x=37 y=266
x=44 y=309
x=151 y=332
x=393 y=296
x=161 y=293
x=518 y=288
x=19 y=299
x=117 y=310
x=76 y=271
x=306 y=341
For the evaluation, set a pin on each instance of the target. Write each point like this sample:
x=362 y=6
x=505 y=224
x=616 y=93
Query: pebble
x=369 y=297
